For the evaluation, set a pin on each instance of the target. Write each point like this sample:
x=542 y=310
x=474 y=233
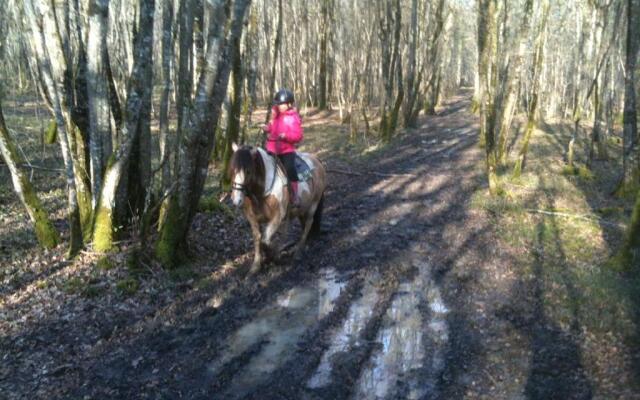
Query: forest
x=478 y=236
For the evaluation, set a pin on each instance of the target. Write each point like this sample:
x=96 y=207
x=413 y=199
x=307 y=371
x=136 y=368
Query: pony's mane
x=249 y=161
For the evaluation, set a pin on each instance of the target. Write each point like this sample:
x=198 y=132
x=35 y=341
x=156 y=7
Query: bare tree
x=630 y=158
x=46 y=233
x=199 y=133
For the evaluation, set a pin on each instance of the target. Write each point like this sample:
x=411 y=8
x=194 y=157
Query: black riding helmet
x=283 y=96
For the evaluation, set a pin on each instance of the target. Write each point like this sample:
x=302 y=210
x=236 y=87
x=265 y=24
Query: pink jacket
x=290 y=124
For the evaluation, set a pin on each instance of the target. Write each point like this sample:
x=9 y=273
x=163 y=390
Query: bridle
x=243 y=188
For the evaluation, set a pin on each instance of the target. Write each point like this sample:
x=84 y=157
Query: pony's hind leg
x=307 y=221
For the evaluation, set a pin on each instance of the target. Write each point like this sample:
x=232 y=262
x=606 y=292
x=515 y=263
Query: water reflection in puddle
x=346 y=335
x=281 y=325
x=406 y=346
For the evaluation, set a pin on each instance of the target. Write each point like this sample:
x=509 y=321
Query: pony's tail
x=317 y=218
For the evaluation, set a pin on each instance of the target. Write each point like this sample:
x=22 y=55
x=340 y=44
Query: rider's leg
x=289 y=163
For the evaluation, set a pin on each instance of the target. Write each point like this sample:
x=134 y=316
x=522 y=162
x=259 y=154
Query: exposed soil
x=405 y=294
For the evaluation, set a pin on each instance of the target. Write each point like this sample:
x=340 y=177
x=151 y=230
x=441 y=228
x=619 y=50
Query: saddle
x=304 y=169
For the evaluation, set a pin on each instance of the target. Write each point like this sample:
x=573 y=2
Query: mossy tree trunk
x=198 y=141
x=49 y=49
x=46 y=233
x=390 y=20
x=487 y=43
x=508 y=96
x=630 y=253
x=538 y=58
x=413 y=82
x=137 y=95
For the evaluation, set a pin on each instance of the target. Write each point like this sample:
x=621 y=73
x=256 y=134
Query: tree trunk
x=103 y=234
x=97 y=92
x=506 y=103
x=195 y=148
x=276 y=53
x=50 y=54
x=412 y=87
x=630 y=158
x=391 y=68
x=46 y=234
x=630 y=252
x=325 y=29
x=487 y=43
x=167 y=56
x=538 y=58
x=233 y=128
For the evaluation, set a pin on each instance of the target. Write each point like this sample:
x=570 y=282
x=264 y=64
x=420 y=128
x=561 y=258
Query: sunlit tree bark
x=46 y=233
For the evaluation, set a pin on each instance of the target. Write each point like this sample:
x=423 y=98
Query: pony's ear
x=234 y=146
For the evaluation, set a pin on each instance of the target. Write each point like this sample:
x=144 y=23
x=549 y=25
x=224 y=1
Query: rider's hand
x=265 y=128
x=282 y=136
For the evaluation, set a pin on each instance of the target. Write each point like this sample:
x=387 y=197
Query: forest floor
x=420 y=286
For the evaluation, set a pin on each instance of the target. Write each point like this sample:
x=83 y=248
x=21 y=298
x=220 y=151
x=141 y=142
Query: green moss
x=74 y=285
x=134 y=263
x=42 y=284
x=585 y=173
x=86 y=213
x=46 y=233
x=581 y=172
x=103 y=230
x=75 y=233
x=212 y=204
x=128 y=286
x=51 y=135
x=182 y=274
x=168 y=246
x=629 y=256
x=517 y=169
x=105 y=263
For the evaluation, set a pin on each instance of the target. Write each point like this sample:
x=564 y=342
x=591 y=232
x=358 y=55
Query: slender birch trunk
x=46 y=233
x=167 y=56
x=98 y=94
x=49 y=51
x=538 y=59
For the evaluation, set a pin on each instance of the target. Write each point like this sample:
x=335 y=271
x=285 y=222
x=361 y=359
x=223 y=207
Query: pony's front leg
x=257 y=239
x=272 y=227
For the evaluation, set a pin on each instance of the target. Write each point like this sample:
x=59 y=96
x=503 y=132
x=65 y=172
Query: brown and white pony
x=259 y=185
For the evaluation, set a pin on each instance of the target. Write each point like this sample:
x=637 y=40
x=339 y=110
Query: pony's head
x=246 y=173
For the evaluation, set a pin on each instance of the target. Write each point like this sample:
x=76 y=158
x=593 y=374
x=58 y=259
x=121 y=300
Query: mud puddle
x=412 y=340
x=276 y=330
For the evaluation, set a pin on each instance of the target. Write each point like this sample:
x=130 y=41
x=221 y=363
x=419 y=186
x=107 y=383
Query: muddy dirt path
x=403 y=296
